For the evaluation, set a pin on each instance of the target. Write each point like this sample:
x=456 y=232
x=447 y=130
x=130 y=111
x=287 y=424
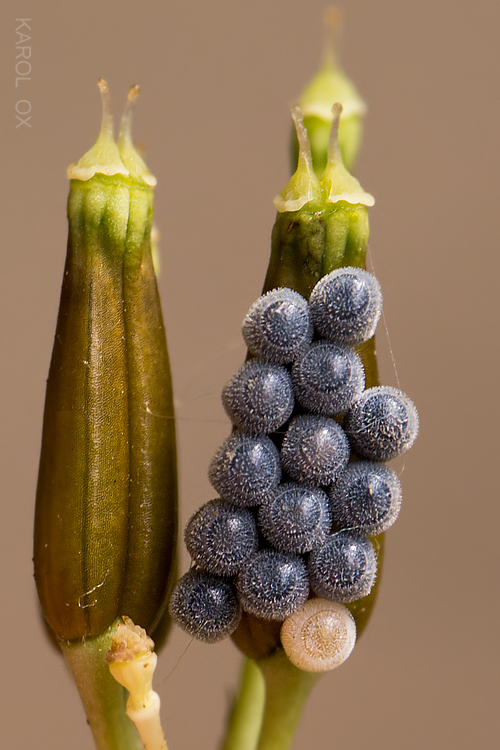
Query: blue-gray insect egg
x=297 y=519
x=259 y=397
x=205 y=606
x=366 y=497
x=344 y=568
x=382 y=424
x=278 y=326
x=315 y=449
x=328 y=378
x=245 y=469
x=346 y=305
x=221 y=537
x=273 y=585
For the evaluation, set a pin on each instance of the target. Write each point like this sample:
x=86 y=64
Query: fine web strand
x=204 y=388
x=179 y=659
x=373 y=270
x=391 y=352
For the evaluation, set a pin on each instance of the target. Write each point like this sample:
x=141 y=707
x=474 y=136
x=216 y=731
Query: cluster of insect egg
x=293 y=513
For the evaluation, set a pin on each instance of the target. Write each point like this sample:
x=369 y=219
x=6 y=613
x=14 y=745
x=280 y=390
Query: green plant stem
x=287 y=690
x=245 y=719
x=104 y=700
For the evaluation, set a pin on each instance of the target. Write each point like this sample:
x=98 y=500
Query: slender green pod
x=106 y=509
x=330 y=85
x=321 y=225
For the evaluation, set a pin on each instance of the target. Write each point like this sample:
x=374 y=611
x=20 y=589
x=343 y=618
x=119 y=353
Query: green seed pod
x=330 y=85
x=106 y=510
x=321 y=225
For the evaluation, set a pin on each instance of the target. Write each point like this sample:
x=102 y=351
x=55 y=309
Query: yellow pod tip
x=336 y=182
x=304 y=185
x=108 y=157
x=130 y=157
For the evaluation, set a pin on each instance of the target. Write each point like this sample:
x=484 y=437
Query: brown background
x=218 y=79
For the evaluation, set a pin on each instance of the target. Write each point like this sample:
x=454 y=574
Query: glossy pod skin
x=309 y=242
x=106 y=510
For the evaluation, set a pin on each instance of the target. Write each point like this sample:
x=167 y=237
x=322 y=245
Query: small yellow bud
x=328 y=86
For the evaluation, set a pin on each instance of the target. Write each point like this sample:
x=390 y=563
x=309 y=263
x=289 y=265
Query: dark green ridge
x=107 y=500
